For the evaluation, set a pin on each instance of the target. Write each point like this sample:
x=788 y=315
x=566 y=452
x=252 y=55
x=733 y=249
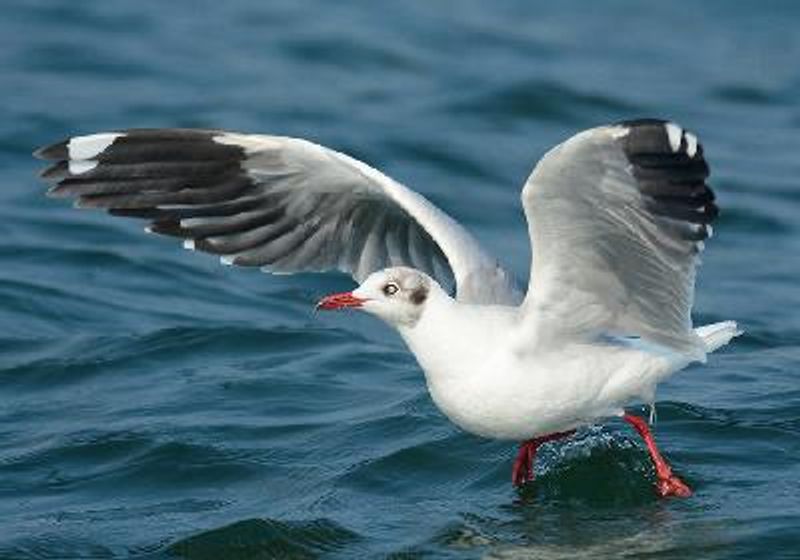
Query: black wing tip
x=55 y=171
x=53 y=152
x=661 y=144
x=60 y=150
x=57 y=191
x=642 y=121
x=648 y=136
x=669 y=165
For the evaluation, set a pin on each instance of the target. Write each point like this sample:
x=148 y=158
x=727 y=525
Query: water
x=156 y=405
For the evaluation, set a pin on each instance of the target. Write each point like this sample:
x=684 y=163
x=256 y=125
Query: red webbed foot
x=667 y=484
x=522 y=472
x=672 y=486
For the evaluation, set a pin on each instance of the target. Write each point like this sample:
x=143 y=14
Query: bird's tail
x=718 y=334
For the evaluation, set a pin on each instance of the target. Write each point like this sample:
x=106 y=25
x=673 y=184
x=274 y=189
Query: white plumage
x=617 y=216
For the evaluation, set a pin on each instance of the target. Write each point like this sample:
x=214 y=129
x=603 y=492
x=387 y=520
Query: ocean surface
x=155 y=405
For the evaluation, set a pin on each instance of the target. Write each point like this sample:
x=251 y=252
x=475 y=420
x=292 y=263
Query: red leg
x=668 y=484
x=522 y=472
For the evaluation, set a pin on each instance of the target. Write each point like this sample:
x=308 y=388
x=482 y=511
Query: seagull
x=617 y=217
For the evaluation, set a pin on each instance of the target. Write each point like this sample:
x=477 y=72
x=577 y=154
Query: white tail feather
x=718 y=334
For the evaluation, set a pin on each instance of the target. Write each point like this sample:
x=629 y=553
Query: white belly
x=540 y=395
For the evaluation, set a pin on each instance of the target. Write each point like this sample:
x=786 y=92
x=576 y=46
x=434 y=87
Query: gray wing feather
x=617 y=216
x=282 y=204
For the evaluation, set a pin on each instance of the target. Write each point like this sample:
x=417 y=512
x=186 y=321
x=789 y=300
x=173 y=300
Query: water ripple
x=266 y=538
x=542 y=101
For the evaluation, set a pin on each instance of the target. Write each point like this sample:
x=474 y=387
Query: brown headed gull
x=617 y=216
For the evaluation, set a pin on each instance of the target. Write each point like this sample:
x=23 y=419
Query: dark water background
x=154 y=404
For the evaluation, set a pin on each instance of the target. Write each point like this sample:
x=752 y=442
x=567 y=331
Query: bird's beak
x=340 y=301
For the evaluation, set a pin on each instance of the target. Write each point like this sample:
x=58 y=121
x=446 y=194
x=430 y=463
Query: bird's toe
x=672 y=486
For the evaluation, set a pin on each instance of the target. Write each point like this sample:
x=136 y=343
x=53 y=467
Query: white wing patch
x=619 y=132
x=89 y=147
x=79 y=167
x=691 y=144
x=674 y=133
x=250 y=142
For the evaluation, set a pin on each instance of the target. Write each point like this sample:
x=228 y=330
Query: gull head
x=397 y=295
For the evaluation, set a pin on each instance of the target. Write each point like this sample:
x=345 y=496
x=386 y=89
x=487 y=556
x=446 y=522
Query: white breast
x=488 y=390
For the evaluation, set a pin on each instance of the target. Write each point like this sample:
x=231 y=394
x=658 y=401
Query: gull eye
x=390 y=289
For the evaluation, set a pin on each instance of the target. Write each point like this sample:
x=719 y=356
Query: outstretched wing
x=617 y=217
x=283 y=204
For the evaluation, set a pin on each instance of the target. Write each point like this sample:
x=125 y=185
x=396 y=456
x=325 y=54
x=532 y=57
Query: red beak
x=340 y=301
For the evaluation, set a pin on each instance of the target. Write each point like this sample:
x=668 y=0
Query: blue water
x=156 y=405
